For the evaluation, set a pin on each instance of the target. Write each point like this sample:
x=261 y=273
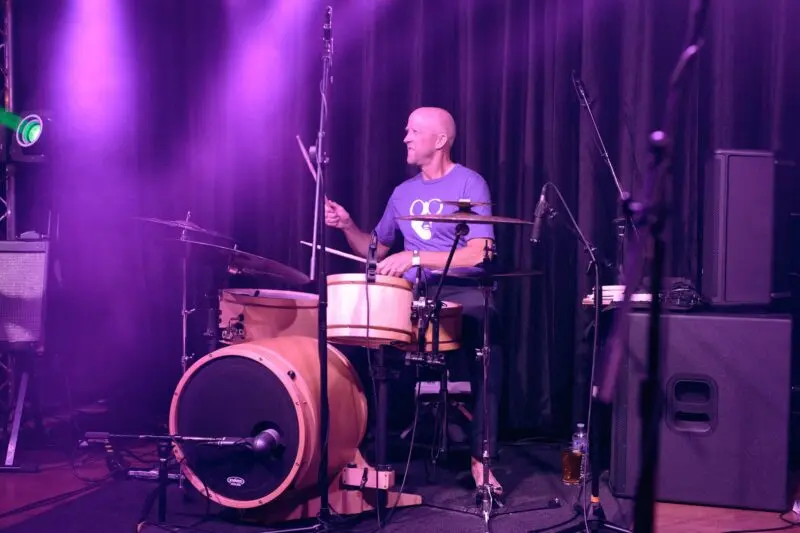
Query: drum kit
x=262 y=382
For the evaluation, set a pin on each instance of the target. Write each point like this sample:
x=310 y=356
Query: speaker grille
x=23 y=280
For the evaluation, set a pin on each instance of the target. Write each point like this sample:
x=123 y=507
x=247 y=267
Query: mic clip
x=372 y=260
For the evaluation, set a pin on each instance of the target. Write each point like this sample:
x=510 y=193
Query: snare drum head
x=262 y=296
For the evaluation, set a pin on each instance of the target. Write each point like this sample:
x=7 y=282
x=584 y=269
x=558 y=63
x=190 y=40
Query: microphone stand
x=598 y=522
x=322 y=282
x=623 y=222
x=650 y=214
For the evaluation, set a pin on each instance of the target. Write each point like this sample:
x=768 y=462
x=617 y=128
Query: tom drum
x=389 y=302
x=250 y=314
x=244 y=389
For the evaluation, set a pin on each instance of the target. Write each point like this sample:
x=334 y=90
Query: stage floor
x=530 y=474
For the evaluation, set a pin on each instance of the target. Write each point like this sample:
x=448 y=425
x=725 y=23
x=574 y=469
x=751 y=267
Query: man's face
x=421 y=140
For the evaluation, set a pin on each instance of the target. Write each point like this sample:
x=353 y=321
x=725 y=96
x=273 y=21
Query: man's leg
x=472 y=340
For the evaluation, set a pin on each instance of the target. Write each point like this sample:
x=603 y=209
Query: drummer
x=430 y=133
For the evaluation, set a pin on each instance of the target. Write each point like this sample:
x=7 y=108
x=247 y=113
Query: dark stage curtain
x=192 y=113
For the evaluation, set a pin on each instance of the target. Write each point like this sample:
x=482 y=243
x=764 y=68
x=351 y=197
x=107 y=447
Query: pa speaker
x=724 y=432
x=747 y=199
x=23 y=285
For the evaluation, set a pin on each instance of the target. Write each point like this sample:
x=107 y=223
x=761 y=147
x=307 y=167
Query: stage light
x=29 y=130
x=32 y=135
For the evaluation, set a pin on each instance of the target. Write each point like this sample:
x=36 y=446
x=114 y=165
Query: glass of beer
x=571 y=466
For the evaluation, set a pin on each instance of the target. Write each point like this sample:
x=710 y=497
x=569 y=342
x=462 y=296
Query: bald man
x=430 y=133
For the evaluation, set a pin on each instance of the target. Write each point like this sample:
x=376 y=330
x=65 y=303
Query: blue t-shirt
x=417 y=196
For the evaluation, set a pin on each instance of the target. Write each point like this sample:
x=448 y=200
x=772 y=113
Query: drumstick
x=337 y=252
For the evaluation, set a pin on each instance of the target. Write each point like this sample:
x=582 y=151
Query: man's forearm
x=357 y=239
x=463 y=257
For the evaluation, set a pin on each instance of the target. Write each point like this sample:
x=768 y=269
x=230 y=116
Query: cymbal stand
x=485 y=491
x=185 y=299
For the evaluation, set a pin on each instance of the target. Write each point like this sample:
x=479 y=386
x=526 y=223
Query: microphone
x=580 y=89
x=372 y=257
x=264 y=443
x=327 y=31
x=538 y=215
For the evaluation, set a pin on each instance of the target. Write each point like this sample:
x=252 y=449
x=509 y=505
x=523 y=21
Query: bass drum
x=244 y=389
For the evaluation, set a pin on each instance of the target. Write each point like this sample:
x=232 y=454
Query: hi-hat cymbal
x=240 y=262
x=478 y=274
x=465 y=204
x=184 y=225
x=466 y=217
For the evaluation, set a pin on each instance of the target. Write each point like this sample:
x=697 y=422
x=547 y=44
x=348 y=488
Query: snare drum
x=250 y=314
x=389 y=310
x=449 y=330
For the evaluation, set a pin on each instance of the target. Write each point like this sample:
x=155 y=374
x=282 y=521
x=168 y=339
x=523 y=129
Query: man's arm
x=468 y=256
x=359 y=241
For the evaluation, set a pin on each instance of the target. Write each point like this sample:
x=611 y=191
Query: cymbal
x=477 y=274
x=240 y=262
x=466 y=217
x=465 y=204
x=184 y=225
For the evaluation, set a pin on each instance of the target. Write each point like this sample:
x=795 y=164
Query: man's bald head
x=429 y=130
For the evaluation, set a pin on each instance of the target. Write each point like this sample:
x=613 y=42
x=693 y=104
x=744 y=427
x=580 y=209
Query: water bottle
x=579 y=440
x=572 y=458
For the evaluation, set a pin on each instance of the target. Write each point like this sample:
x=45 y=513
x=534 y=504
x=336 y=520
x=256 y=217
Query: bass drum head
x=236 y=396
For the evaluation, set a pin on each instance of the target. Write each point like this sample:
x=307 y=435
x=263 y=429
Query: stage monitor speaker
x=724 y=434
x=747 y=201
x=23 y=285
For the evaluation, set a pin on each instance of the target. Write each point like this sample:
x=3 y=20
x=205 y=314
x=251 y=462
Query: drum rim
x=291 y=388
x=360 y=279
x=301 y=299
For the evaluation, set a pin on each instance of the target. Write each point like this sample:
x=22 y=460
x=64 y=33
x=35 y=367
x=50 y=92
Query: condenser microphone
x=327 y=32
x=538 y=215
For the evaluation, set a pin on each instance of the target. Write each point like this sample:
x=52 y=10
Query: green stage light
x=28 y=129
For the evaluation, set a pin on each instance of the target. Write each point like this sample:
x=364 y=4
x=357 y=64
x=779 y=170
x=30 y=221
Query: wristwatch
x=415 y=261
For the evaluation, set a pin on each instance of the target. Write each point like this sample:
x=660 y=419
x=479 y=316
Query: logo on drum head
x=235 y=481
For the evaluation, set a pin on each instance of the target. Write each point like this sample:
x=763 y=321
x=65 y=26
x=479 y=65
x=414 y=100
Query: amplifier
x=23 y=285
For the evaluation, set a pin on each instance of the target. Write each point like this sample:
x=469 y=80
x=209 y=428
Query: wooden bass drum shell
x=241 y=390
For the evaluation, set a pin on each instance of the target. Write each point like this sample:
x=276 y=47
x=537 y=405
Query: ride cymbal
x=240 y=262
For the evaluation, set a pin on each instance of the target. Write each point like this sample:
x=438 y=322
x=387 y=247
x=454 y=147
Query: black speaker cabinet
x=724 y=435
x=747 y=199
x=23 y=284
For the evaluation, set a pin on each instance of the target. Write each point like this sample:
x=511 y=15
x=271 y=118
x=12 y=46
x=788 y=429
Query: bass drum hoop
x=303 y=412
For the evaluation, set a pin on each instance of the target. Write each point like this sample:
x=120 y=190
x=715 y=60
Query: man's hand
x=336 y=216
x=395 y=265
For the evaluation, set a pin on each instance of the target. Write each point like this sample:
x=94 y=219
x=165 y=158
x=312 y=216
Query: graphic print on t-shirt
x=422 y=228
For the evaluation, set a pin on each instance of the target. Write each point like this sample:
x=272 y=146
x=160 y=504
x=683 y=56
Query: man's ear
x=441 y=141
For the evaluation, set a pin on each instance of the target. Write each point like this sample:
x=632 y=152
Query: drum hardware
x=432 y=360
x=164 y=445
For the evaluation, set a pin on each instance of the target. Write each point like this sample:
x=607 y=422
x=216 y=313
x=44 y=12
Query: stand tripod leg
x=11 y=450
x=9 y=465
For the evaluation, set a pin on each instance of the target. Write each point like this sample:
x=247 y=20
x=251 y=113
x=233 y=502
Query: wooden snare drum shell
x=294 y=360
x=390 y=301
x=269 y=313
x=450 y=320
